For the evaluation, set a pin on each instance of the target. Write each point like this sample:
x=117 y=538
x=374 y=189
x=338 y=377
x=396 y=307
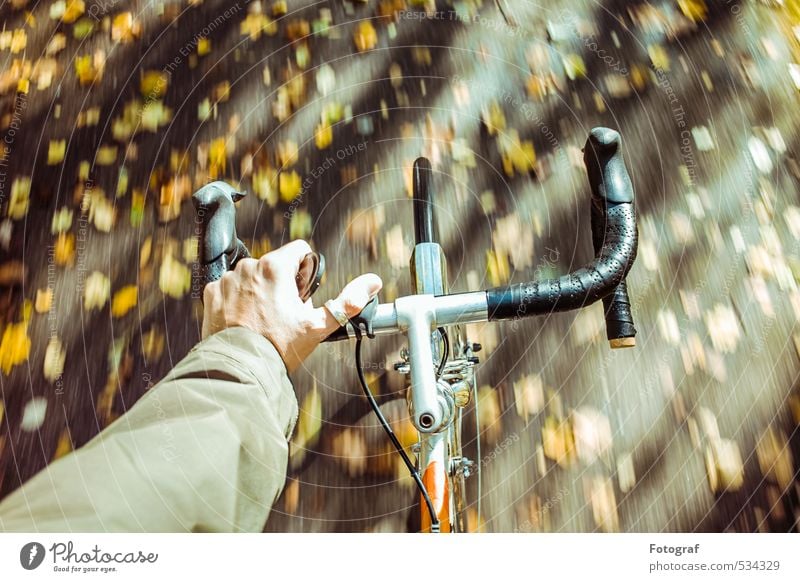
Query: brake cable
x=445 y=351
x=392 y=437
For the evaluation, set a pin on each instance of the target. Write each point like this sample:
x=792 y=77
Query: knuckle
x=247 y=265
x=228 y=279
x=300 y=244
x=269 y=264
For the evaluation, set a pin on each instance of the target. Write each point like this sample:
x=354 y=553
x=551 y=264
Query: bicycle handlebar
x=614 y=237
x=220 y=249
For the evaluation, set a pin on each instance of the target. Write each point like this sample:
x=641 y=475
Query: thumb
x=353 y=298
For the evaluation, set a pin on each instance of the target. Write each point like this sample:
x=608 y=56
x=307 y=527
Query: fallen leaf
x=221 y=92
x=557 y=441
x=106 y=155
x=289 y=185
x=14 y=346
x=96 y=292
x=89 y=68
x=64 y=250
x=34 y=413
x=291 y=496
x=349 y=448
x=326 y=79
x=217 y=158
x=12 y=273
x=124 y=300
x=775 y=458
x=263 y=180
x=397 y=251
x=529 y=396
x=203 y=46
x=287 y=153
x=625 y=472
x=123 y=28
x=44 y=300
x=591 y=432
x=83 y=29
x=73 y=9
x=153 y=85
x=724 y=465
x=174 y=278
x=365 y=36
x=56 y=44
x=54 y=357
x=604 y=505
x=55 y=151
x=64 y=446
x=497 y=268
x=323 y=136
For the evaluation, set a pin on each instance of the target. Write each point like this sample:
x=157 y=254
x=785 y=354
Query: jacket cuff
x=250 y=358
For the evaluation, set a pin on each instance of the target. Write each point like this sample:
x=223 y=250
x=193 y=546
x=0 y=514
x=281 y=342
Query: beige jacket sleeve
x=205 y=449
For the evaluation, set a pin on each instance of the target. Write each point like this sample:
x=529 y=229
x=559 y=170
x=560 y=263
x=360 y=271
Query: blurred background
x=113 y=112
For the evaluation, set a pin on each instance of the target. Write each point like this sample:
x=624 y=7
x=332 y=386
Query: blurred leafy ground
x=113 y=112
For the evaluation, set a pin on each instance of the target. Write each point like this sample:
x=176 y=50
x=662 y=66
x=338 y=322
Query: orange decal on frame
x=435 y=481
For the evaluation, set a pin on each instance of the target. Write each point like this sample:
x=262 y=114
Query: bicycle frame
x=436 y=402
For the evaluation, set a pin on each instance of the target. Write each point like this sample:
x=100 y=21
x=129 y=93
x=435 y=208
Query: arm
x=204 y=450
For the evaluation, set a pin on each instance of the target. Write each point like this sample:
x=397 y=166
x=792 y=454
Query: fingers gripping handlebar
x=614 y=238
x=221 y=249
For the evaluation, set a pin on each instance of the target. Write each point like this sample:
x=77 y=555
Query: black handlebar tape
x=424 y=223
x=620 y=330
x=615 y=242
x=610 y=181
x=220 y=248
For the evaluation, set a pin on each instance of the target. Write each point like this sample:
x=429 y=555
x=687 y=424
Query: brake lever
x=309 y=275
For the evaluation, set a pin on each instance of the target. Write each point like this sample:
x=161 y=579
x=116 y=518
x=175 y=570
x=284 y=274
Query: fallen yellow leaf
x=203 y=46
x=217 y=158
x=497 y=268
x=323 y=136
x=106 y=155
x=55 y=151
x=15 y=346
x=64 y=251
x=123 y=28
x=20 y=198
x=289 y=185
x=44 y=299
x=365 y=37
x=73 y=10
x=557 y=441
x=153 y=85
x=124 y=300
x=64 y=445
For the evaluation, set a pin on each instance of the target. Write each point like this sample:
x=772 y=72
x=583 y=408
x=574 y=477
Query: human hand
x=261 y=295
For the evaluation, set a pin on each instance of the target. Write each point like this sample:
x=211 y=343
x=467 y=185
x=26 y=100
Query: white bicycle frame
x=435 y=406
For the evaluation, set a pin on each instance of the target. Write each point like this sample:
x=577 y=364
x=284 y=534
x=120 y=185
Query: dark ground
x=717 y=319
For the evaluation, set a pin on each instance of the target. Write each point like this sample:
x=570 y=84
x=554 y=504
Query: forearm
x=204 y=450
